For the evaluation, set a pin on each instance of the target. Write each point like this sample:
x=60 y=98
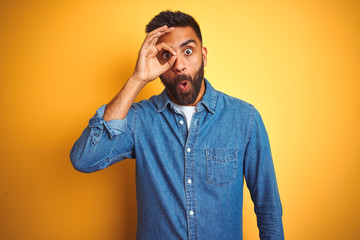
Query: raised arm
x=109 y=136
x=147 y=69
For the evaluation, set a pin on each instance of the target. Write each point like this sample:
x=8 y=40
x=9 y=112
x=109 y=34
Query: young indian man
x=193 y=145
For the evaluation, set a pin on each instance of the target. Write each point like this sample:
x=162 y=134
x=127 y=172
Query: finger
x=169 y=30
x=169 y=63
x=154 y=38
x=164 y=46
x=159 y=29
x=149 y=39
x=157 y=33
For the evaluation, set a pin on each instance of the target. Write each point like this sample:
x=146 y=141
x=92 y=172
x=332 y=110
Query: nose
x=179 y=65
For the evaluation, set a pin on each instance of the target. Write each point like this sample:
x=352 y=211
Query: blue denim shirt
x=189 y=184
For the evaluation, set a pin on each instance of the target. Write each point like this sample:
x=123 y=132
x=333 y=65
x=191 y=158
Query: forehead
x=178 y=36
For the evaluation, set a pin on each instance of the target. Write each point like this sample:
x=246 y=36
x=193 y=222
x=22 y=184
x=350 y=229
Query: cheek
x=168 y=75
x=195 y=63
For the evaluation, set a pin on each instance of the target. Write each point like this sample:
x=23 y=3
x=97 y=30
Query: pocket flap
x=221 y=155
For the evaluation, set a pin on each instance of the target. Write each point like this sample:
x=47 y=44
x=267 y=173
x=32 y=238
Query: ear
x=204 y=55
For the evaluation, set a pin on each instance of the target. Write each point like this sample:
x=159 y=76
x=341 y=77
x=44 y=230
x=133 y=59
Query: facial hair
x=189 y=97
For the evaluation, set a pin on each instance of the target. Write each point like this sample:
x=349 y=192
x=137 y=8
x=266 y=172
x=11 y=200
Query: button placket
x=189 y=179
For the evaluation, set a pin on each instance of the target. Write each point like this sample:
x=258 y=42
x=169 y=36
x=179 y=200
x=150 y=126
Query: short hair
x=173 y=19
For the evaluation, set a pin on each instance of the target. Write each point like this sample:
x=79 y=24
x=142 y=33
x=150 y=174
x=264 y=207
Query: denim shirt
x=189 y=184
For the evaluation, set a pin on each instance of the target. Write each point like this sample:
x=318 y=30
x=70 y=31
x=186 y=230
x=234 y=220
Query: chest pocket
x=221 y=165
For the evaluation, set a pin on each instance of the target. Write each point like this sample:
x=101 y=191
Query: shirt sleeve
x=104 y=143
x=261 y=181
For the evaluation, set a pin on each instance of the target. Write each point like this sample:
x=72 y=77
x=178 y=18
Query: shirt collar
x=209 y=99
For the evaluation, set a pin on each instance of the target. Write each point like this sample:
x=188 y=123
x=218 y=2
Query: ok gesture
x=148 y=67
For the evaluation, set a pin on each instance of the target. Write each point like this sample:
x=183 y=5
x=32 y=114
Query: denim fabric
x=189 y=184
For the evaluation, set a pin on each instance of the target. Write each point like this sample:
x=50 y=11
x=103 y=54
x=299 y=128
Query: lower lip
x=184 y=87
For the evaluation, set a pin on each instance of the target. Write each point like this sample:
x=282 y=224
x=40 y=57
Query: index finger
x=166 y=47
x=161 y=30
x=156 y=34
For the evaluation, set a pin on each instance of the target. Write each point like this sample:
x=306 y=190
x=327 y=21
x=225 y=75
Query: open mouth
x=184 y=85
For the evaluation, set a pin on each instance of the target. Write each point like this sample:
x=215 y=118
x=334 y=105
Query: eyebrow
x=187 y=42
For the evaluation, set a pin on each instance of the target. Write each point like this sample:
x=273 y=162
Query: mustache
x=182 y=77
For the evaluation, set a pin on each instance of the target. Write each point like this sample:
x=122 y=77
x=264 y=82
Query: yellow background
x=296 y=61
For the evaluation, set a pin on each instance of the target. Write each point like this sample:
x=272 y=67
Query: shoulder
x=230 y=103
x=147 y=105
x=238 y=109
x=242 y=111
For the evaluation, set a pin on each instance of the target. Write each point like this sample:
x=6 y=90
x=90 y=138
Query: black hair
x=173 y=19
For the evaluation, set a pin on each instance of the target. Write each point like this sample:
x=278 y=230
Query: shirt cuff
x=114 y=127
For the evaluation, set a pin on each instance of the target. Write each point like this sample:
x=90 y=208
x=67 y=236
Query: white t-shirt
x=186 y=111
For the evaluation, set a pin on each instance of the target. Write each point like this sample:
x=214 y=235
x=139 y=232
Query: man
x=192 y=144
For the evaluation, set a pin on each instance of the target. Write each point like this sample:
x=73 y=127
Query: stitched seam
x=112 y=158
x=252 y=120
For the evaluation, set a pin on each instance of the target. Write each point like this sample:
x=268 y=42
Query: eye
x=166 y=55
x=188 y=51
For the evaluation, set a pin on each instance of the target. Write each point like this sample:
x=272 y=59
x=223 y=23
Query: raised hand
x=148 y=67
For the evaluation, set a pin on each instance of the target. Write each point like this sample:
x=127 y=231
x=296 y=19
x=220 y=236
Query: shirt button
x=181 y=122
x=189 y=181
x=191 y=213
x=188 y=149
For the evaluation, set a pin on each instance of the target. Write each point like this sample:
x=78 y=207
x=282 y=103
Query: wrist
x=134 y=85
x=137 y=81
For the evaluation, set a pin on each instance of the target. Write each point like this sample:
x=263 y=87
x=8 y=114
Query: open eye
x=188 y=51
x=166 y=55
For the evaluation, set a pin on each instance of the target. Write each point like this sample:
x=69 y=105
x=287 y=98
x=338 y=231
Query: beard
x=188 y=97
